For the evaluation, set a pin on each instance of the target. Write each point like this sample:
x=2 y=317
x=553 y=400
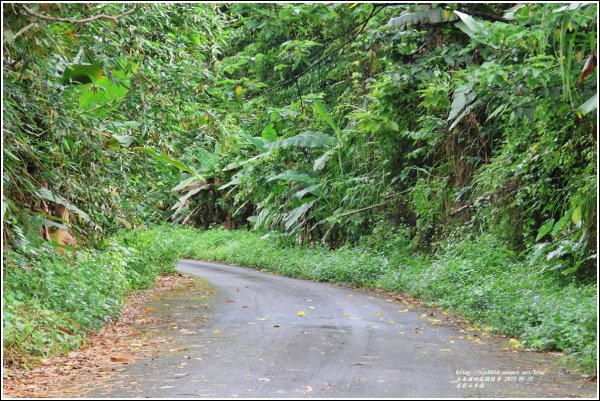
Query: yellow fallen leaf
x=445 y=313
x=403 y=310
x=446 y=349
x=391 y=322
x=470 y=337
x=377 y=313
x=118 y=359
x=301 y=313
x=346 y=314
x=216 y=331
x=514 y=343
x=350 y=296
x=434 y=321
x=423 y=316
x=451 y=341
x=206 y=117
x=149 y=310
x=472 y=328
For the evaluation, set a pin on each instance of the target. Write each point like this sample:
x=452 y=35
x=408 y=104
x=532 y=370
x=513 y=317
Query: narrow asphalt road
x=346 y=343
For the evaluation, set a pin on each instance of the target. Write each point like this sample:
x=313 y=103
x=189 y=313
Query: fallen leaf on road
x=472 y=328
x=346 y=314
x=118 y=359
x=377 y=313
x=403 y=310
x=423 y=316
x=309 y=389
x=514 y=343
x=216 y=331
x=149 y=310
x=300 y=313
x=180 y=375
x=446 y=349
x=264 y=379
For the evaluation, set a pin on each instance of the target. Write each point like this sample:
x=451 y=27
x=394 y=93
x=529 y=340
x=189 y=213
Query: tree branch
x=78 y=21
x=374 y=11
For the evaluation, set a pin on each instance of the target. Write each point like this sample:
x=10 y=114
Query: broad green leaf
x=545 y=229
x=307 y=139
x=172 y=162
x=561 y=223
x=45 y=193
x=471 y=23
x=317 y=190
x=576 y=215
x=208 y=160
x=463 y=96
x=427 y=17
x=590 y=105
x=82 y=73
x=320 y=162
x=186 y=183
x=101 y=95
x=293 y=216
x=269 y=133
x=120 y=141
x=293 y=175
x=319 y=107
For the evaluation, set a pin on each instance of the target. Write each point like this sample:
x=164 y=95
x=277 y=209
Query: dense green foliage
x=467 y=132
x=51 y=303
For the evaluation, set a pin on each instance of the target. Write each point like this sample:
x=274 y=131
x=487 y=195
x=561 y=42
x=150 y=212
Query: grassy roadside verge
x=50 y=302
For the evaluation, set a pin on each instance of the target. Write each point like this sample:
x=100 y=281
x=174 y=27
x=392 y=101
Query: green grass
x=51 y=302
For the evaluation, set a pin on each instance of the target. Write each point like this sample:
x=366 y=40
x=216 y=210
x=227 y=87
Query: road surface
x=263 y=335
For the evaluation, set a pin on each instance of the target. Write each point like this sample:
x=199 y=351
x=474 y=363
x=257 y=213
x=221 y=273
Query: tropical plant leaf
x=172 y=162
x=319 y=107
x=45 y=193
x=590 y=105
x=307 y=139
x=294 y=175
x=293 y=216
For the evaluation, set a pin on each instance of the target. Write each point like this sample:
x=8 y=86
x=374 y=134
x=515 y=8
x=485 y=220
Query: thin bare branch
x=75 y=20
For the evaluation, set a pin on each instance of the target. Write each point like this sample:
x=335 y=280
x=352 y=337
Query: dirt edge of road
x=105 y=353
